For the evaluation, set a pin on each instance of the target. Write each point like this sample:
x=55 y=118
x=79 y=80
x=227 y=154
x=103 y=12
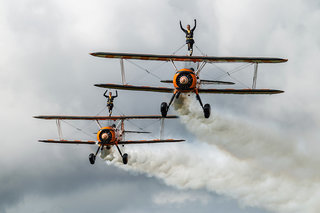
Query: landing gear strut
x=124 y=156
x=92 y=156
x=164 y=108
x=206 y=108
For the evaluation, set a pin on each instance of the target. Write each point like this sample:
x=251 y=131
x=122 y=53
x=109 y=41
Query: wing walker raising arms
x=189 y=36
x=110 y=99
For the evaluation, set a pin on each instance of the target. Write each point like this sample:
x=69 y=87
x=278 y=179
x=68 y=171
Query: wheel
x=164 y=109
x=125 y=158
x=92 y=158
x=206 y=110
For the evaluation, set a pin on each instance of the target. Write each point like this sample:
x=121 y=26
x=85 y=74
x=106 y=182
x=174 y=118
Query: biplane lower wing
x=241 y=91
x=120 y=142
x=150 y=141
x=70 y=117
x=69 y=142
x=208 y=59
x=136 y=88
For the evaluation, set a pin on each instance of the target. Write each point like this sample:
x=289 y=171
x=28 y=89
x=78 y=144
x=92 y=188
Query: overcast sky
x=46 y=69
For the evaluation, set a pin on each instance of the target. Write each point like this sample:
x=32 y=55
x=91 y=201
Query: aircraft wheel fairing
x=92 y=158
x=164 y=109
x=125 y=158
x=206 y=110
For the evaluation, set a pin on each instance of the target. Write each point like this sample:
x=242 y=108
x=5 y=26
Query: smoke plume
x=231 y=157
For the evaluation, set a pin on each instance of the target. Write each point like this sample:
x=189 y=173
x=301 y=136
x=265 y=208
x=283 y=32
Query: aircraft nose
x=183 y=80
x=104 y=136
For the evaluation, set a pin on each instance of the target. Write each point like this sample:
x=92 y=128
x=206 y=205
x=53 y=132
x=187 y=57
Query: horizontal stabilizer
x=136 y=88
x=138 y=132
x=70 y=117
x=216 y=82
x=241 y=91
x=150 y=141
x=69 y=142
x=208 y=59
x=167 y=81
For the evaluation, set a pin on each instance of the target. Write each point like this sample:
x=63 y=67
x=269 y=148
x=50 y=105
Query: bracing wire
x=178 y=49
x=146 y=70
x=77 y=128
x=199 y=50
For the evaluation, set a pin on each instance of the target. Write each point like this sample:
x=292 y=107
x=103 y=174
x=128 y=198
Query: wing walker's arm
x=184 y=30
x=116 y=94
x=195 y=25
x=105 y=94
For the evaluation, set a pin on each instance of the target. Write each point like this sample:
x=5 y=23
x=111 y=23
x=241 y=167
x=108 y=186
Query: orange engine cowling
x=185 y=80
x=106 y=135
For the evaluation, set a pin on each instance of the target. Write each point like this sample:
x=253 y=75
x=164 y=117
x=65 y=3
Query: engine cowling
x=106 y=135
x=185 y=80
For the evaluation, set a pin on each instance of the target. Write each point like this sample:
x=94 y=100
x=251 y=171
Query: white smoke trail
x=236 y=160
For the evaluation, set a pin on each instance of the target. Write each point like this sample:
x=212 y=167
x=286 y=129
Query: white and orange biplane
x=107 y=136
x=187 y=80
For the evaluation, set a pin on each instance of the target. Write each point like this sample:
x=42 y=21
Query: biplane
x=187 y=80
x=107 y=136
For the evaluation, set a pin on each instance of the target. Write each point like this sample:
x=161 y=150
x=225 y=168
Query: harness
x=110 y=99
x=189 y=35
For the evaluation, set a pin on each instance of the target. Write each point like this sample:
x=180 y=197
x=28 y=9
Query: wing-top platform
x=207 y=59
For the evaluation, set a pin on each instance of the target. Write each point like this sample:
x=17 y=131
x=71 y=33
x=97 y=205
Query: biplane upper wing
x=150 y=141
x=241 y=91
x=70 y=117
x=208 y=59
x=136 y=88
x=69 y=141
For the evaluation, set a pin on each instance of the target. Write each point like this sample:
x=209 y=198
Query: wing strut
x=123 y=76
x=59 y=129
x=98 y=123
x=203 y=63
x=255 y=75
x=174 y=65
x=161 y=128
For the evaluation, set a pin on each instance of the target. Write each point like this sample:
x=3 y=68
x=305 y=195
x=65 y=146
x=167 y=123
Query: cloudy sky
x=255 y=154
